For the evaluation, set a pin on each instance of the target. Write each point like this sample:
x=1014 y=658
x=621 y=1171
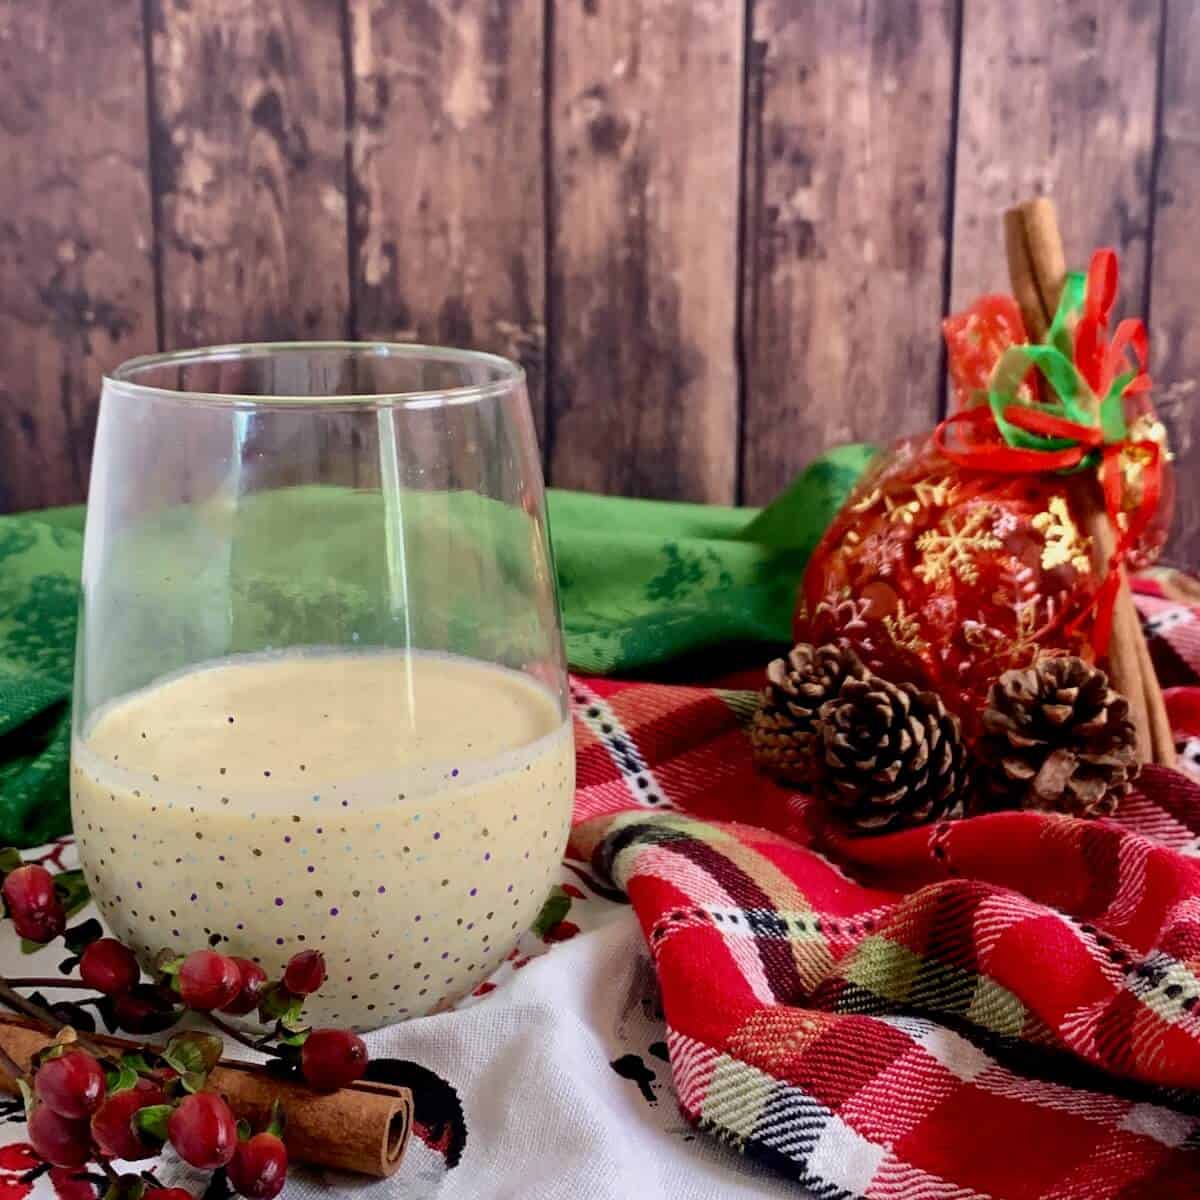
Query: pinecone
x=1057 y=737
x=783 y=734
x=893 y=756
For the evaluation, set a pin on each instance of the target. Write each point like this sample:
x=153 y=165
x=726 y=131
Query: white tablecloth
x=559 y=1072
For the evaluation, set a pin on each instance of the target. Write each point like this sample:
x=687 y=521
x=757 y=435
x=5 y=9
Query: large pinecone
x=893 y=756
x=786 y=744
x=1057 y=737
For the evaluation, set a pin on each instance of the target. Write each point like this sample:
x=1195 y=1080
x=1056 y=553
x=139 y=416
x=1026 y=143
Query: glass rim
x=509 y=375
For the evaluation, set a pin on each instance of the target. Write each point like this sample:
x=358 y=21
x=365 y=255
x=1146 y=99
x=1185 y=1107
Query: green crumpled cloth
x=642 y=583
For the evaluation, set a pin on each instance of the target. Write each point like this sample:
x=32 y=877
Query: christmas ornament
x=784 y=734
x=892 y=756
x=1056 y=736
x=1005 y=533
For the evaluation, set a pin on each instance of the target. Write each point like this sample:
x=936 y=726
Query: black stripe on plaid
x=754 y=905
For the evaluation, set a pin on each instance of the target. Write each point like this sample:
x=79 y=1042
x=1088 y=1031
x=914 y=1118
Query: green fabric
x=642 y=583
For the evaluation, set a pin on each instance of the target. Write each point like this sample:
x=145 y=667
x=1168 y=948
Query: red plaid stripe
x=1007 y=1006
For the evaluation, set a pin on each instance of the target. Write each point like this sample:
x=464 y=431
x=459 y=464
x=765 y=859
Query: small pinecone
x=784 y=733
x=893 y=756
x=1057 y=737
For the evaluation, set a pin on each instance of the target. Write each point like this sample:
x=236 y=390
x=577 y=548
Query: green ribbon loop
x=1070 y=304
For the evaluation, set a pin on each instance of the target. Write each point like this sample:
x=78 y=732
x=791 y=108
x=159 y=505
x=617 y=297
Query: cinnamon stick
x=1162 y=736
x=1046 y=254
x=362 y=1128
x=1037 y=270
x=1021 y=277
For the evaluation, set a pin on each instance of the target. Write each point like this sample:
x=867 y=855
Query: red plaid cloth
x=1007 y=1006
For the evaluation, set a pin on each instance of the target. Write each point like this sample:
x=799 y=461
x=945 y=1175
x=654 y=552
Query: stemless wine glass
x=320 y=694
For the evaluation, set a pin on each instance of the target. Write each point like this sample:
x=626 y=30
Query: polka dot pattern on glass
x=405 y=859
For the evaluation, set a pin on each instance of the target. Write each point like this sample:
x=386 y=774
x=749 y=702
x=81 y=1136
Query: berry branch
x=236 y=1035
x=85 y=1103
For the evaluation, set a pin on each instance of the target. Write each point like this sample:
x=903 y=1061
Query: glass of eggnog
x=320 y=691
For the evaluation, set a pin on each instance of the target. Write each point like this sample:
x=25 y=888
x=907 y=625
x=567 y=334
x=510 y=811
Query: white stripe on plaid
x=692 y=1065
x=639 y=779
x=835 y=1160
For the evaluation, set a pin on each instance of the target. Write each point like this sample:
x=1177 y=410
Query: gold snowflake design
x=938 y=491
x=868 y=502
x=955 y=546
x=1016 y=647
x=905 y=630
x=1063 y=544
x=897 y=511
x=842 y=610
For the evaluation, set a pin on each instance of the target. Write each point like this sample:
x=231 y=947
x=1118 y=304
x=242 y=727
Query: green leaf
x=27 y=1096
x=72 y=890
x=56 y=1049
x=294 y=1037
x=168 y=962
x=122 y=1079
x=278 y=1119
x=293 y=1020
x=557 y=905
x=10 y=859
x=243 y=1130
x=193 y=1055
x=151 y=1121
x=28 y=947
x=138 y=1063
x=126 y=1187
x=77 y=940
x=278 y=1004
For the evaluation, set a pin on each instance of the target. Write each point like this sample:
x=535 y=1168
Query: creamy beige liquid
x=403 y=813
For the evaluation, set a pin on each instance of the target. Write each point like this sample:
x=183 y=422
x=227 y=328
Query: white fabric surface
x=547 y=1115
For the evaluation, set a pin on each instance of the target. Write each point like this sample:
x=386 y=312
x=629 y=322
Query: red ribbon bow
x=1011 y=436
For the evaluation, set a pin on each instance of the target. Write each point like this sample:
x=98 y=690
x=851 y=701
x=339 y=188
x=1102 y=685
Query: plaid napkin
x=1006 y=1006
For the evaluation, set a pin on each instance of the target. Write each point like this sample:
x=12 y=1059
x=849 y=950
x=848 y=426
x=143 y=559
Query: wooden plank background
x=720 y=234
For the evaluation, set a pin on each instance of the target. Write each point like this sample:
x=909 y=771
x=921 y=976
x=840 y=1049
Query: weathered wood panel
x=1175 y=275
x=448 y=178
x=1056 y=99
x=249 y=161
x=76 y=274
x=645 y=120
x=848 y=166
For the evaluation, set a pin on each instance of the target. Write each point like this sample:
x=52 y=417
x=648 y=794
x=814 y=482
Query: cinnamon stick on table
x=1037 y=270
x=362 y=1128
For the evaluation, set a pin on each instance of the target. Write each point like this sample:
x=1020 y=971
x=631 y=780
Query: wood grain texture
x=76 y=275
x=249 y=154
x=1175 y=333
x=1056 y=99
x=848 y=152
x=645 y=127
x=448 y=179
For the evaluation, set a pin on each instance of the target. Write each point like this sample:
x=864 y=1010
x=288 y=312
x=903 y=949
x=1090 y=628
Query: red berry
x=167 y=1194
x=144 y=1009
x=253 y=980
x=61 y=1142
x=112 y=1122
x=72 y=1085
x=333 y=1058
x=208 y=980
x=109 y=967
x=203 y=1131
x=258 y=1168
x=304 y=973
x=36 y=911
